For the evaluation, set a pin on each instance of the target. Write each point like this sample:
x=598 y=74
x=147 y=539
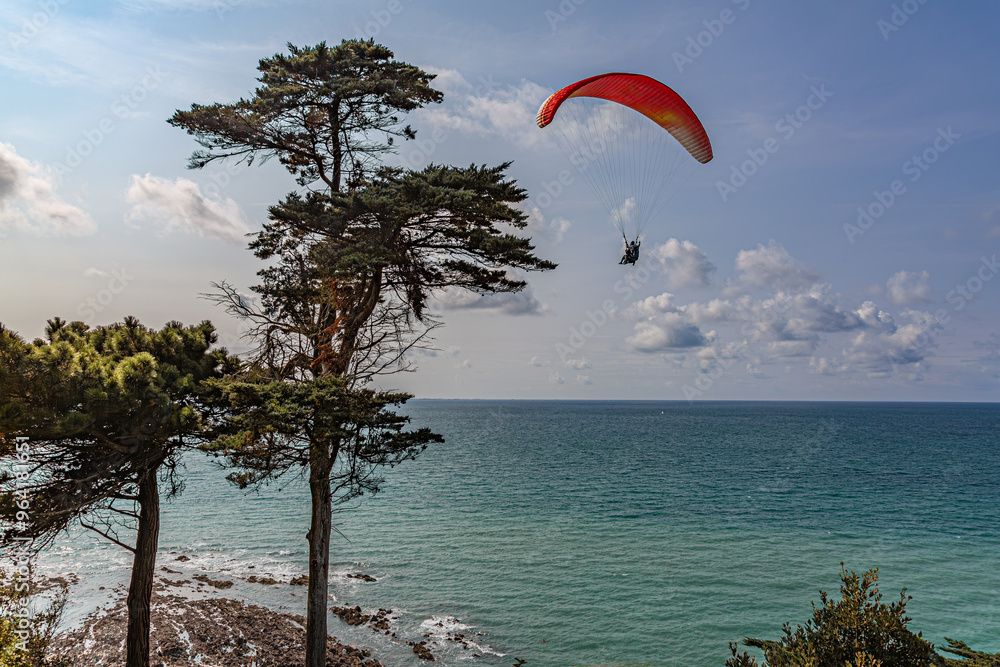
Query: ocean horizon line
x=700 y=402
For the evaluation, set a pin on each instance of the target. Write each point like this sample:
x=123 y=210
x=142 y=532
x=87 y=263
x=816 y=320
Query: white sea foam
x=443 y=631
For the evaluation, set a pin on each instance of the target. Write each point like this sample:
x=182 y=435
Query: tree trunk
x=141 y=588
x=319 y=554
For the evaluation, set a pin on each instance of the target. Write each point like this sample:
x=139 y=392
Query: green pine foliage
x=103 y=408
x=268 y=429
x=327 y=113
x=106 y=414
x=971 y=658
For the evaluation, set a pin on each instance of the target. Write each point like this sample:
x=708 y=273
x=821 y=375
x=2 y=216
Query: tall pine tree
x=354 y=258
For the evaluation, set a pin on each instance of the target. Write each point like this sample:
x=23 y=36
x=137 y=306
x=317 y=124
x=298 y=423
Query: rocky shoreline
x=213 y=632
x=193 y=624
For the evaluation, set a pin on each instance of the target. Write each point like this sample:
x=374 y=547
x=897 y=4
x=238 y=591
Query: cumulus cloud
x=662 y=326
x=28 y=201
x=179 y=204
x=791 y=348
x=487 y=108
x=817 y=311
x=556 y=378
x=683 y=262
x=770 y=267
x=875 y=318
x=554 y=230
x=716 y=310
x=878 y=351
x=909 y=289
x=625 y=212
x=776 y=311
x=652 y=306
x=578 y=364
x=539 y=362
x=508 y=303
x=990 y=356
x=824 y=366
x=668 y=332
x=715 y=355
x=583 y=379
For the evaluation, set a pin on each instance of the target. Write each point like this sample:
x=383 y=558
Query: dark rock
x=218 y=632
x=424 y=653
x=351 y=616
x=213 y=582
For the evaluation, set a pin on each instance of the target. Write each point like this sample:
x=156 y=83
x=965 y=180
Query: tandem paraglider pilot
x=631 y=253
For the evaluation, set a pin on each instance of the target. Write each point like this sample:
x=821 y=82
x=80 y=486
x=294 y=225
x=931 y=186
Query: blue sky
x=759 y=286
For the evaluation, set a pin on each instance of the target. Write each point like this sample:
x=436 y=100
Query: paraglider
x=632 y=138
x=631 y=252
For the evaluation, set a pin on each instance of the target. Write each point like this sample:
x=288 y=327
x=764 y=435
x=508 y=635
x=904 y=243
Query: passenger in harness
x=631 y=252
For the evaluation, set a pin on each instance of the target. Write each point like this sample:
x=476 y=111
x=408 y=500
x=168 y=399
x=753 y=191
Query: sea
x=626 y=533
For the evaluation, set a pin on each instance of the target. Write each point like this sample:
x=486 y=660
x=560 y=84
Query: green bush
x=41 y=625
x=973 y=658
x=859 y=630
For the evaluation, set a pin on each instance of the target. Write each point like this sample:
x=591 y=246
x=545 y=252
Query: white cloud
x=179 y=204
x=791 y=348
x=28 y=201
x=625 y=212
x=877 y=351
x=818 y=311
x=583 y=379
x=990 y=358
x=652 y=306
x=770 y=267
x=556 y=378
x=793 y=322
x=909 y=289
x=489 y=109
x=824 y=366
x=711 y=356
x=540 y=363
x=668 y=332
x=578 y=364
x=716 y=310
x=874 y=318
x=554 y=230
x=684 y=263
x=508 y=303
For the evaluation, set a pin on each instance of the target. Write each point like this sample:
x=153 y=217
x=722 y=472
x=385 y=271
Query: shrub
x=31 y=651
x=859 y=630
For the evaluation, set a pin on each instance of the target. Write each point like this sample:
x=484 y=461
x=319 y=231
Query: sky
x=841 y=245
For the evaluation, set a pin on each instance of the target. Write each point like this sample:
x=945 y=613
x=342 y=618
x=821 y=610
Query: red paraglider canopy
x=643 y=94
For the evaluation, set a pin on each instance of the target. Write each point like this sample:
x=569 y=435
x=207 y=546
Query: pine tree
x=353 y=257
x=107 y=413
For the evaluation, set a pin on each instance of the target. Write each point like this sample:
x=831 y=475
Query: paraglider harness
x=631 y=251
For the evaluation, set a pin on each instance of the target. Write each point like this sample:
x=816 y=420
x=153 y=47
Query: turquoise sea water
x=625 y=533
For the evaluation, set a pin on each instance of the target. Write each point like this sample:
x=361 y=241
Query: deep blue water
x=629 y=533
